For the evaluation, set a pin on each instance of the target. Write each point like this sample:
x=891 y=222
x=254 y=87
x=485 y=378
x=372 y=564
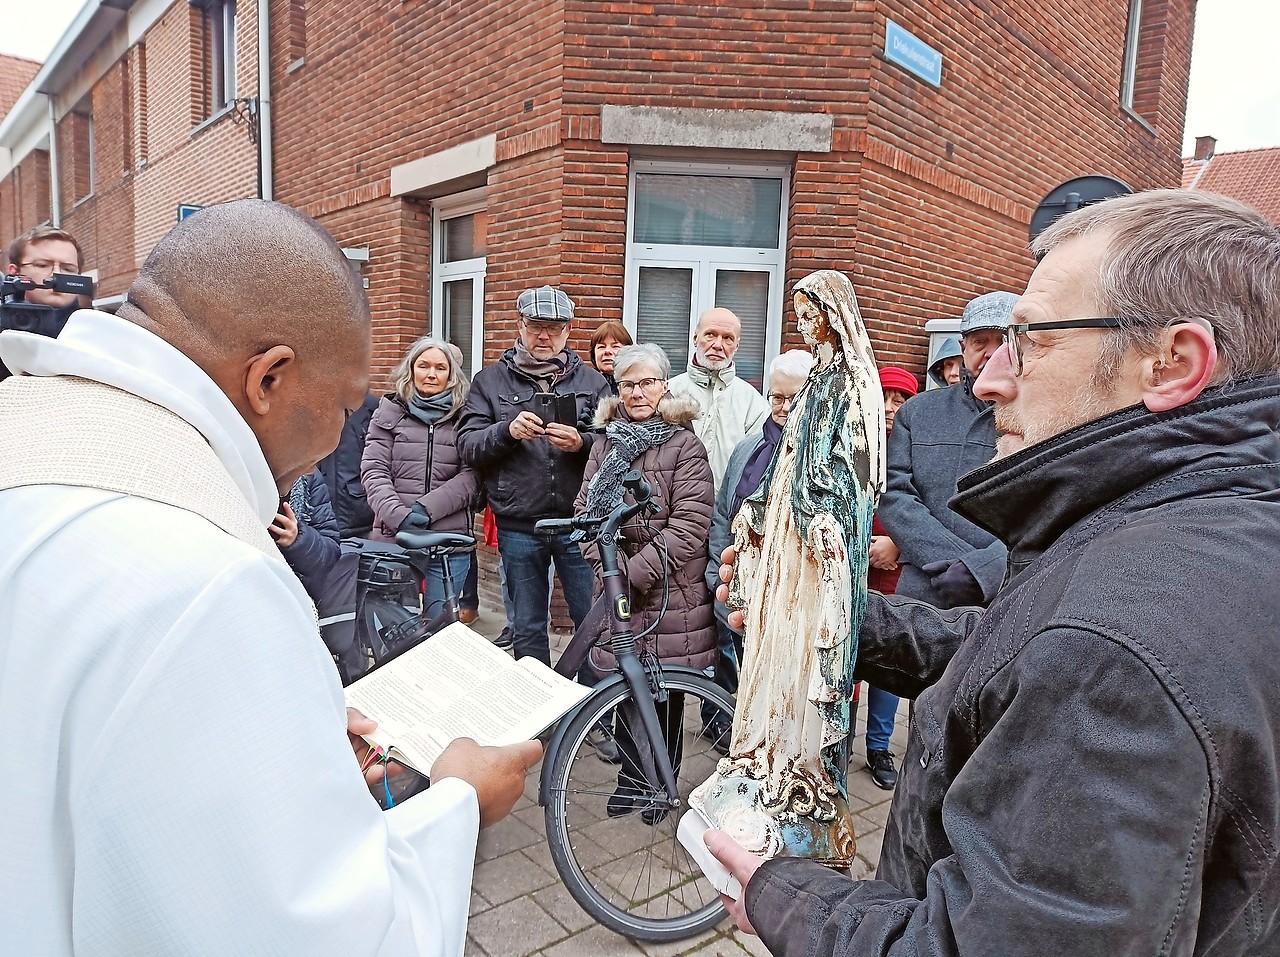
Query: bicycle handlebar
x=633 y=482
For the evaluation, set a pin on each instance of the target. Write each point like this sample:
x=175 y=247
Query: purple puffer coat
x=685 y=495
x=407 y=461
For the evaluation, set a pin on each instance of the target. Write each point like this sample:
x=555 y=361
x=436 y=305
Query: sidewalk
x=520 y=907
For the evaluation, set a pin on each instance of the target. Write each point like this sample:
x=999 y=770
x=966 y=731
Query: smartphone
x=550 y=407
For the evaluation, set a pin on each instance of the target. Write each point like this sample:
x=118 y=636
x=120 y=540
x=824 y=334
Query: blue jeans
x=433 y=597
x=527 y=559
x=881 y=709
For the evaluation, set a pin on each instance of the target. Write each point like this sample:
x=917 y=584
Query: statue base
x=811 y=821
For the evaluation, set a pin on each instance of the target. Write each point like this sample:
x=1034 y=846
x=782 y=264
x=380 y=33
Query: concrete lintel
x=777 y=130
x=455 y=163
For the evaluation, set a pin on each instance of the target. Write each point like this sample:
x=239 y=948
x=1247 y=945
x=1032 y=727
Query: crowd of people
x=1064 y=581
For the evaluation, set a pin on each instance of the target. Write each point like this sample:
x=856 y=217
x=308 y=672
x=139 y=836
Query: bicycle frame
x=629 y=666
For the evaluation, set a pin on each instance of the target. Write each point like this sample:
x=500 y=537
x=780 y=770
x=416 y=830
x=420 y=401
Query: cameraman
x=36 y=255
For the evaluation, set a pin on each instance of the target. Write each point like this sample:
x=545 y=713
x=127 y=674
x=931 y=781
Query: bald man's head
x=260 y=297
x=716 y=339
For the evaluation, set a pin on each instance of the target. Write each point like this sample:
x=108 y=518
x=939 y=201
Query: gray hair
x=795 y=363
x=1173 y=255
x=629 y=356
x=457 y=387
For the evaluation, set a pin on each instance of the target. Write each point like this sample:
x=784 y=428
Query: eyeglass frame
x=47 y=265
x=1014 y=329
x=785 y=399
x=536 y=325
x=628 y=387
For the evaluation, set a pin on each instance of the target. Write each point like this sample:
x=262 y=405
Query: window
x=702 y=235
x=457 y=274
x=78 y=163
x=220 y=27
x=1140 y=74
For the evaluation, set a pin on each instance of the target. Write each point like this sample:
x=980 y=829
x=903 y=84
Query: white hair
x=643 y=352
x=795 y=363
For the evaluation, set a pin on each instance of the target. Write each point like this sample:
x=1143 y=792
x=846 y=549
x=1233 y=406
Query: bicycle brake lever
x=577 y=535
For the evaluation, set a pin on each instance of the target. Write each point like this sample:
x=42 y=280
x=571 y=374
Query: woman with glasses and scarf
x=649 y=429
x=411 y=470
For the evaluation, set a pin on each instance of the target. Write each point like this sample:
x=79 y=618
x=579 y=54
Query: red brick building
x=653 y=158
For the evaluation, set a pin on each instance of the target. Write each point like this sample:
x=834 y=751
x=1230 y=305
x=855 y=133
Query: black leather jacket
x=1094 y=766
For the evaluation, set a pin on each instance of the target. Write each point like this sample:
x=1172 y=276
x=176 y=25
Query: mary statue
x=800 y=581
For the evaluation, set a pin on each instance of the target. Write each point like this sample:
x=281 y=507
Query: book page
x=457 y=684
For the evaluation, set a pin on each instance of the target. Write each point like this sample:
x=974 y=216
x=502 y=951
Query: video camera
x=17 y=313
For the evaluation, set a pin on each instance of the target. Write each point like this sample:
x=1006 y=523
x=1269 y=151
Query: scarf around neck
x=753 y=471
x=430 y=410
x=627 y=442
x=543 y=371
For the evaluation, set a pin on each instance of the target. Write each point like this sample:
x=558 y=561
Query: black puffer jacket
x=525 y=481
x=1094 y=764
x=685 y=495
x=407 y=461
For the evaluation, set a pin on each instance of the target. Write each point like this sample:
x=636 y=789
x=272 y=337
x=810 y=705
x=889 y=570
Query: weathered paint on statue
x=801 y=583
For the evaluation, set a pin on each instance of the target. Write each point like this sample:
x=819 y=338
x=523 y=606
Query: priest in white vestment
x=176 y=777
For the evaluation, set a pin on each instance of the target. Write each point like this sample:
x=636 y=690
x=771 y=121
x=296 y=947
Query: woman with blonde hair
x=411 y=470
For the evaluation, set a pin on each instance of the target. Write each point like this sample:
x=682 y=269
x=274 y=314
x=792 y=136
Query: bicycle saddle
x=434 y=540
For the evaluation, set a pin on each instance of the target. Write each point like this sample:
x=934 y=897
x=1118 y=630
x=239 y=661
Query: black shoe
x=880 y=764
x=719 y=731
x=606 y=748
x=622 y=801
x=654 y=814
x=504 y=641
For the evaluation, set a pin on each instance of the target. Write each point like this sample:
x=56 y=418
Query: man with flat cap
x=178 y=776
x=525 y=428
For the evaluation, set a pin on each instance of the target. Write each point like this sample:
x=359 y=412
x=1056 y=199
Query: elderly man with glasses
x=526 y=429
x=1094 y=765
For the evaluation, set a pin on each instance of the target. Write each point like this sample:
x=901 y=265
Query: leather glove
x=416 y=521
x=954 y=583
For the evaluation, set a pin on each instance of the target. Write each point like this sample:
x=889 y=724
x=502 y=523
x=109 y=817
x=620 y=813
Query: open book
x=456 y=684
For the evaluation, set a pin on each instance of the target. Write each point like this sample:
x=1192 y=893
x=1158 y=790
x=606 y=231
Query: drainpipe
x=266 y=130
x=55 y=204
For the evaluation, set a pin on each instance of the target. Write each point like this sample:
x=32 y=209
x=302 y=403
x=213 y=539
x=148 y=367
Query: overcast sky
x=1235 y=64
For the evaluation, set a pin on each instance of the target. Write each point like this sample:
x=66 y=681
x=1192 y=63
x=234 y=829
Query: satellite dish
x=1071 y=195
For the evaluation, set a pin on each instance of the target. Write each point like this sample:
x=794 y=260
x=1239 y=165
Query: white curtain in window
x=663 y=309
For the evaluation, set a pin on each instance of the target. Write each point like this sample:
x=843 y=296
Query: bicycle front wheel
x=612 y=837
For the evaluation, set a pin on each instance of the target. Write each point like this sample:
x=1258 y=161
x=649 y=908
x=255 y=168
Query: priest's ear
x=268 y=377
x=1181 y=368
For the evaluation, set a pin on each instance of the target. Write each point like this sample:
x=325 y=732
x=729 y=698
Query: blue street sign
x=186 y=209
x=912 y=54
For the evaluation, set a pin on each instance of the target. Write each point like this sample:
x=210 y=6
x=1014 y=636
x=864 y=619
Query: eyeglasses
x=626 y=386
x=1015 y=334
x=779 y=401
x=539 y=326
x=45 y=266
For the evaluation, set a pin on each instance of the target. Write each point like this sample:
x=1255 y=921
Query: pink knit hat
x=892 y=377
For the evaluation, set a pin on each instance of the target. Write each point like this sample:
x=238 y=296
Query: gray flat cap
x=546 y=303
x=989 y=311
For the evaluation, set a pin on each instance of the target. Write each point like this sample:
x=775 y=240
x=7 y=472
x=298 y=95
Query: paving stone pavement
x=520 y=907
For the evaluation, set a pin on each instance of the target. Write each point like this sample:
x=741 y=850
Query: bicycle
x=625 y=867
x=388 y=616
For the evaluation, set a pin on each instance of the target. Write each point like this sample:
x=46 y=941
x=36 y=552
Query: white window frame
x=442 y=210
x=706 y=260
x=222 y=54
x=1128 y=78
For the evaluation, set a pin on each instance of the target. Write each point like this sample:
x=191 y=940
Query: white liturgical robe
x=175 y=776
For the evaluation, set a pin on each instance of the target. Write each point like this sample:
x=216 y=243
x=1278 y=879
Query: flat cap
x=989 y=311
x=546 y=303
